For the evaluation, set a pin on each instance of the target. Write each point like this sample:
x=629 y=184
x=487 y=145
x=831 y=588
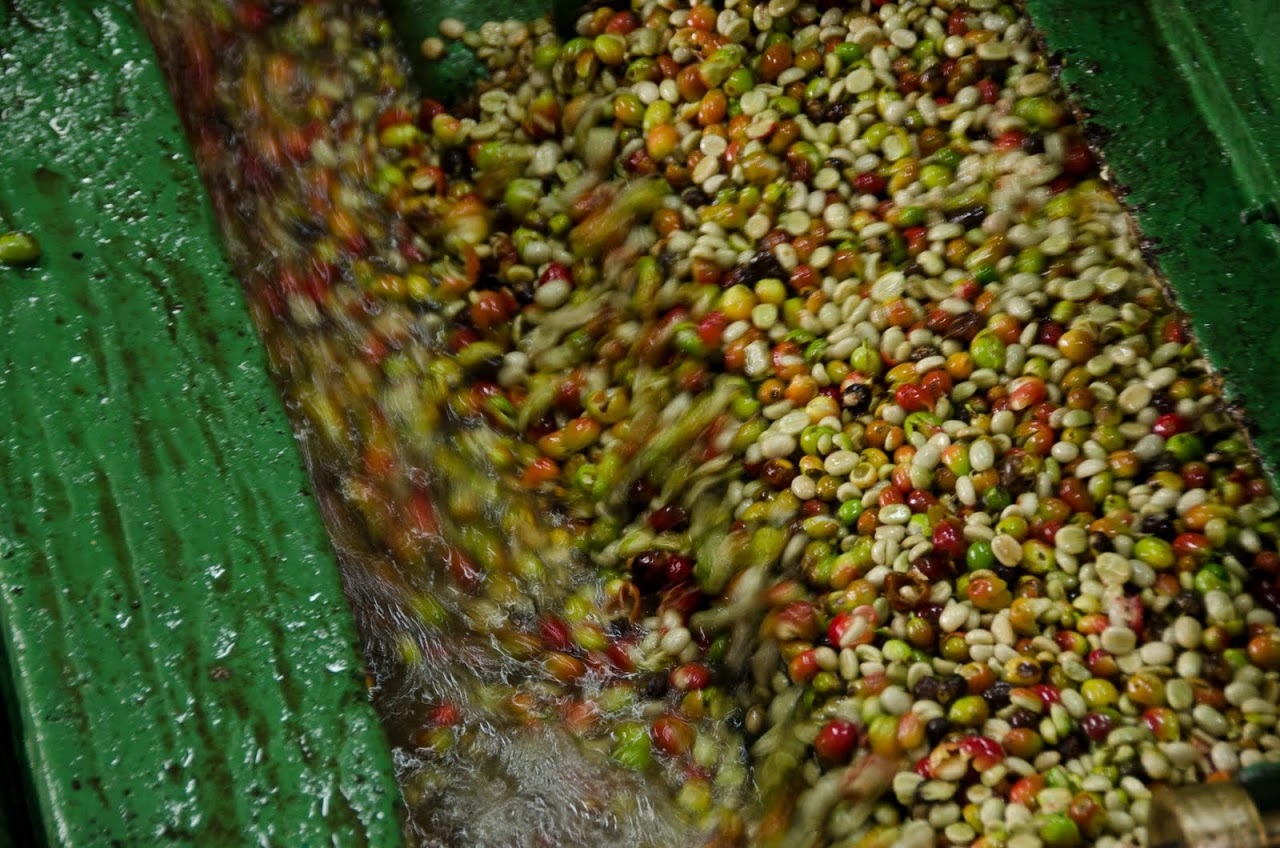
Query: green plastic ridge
x=1181 y=100
x=181 y=656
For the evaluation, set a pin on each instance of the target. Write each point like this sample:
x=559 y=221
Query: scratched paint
x=182 y=658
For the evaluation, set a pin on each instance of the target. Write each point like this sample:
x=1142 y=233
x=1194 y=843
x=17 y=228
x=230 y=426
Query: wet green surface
x=181 y=654
x=1184 y=106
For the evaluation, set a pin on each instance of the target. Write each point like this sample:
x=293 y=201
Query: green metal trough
x=177 y=661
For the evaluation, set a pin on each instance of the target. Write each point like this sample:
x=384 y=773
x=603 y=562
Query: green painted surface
x=1184 y=105
x=181 y=654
